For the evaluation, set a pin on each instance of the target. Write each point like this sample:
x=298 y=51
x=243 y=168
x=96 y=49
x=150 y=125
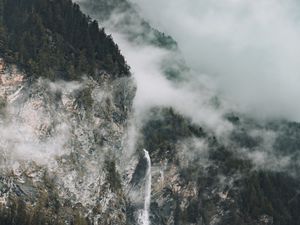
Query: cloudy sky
x=250 y=48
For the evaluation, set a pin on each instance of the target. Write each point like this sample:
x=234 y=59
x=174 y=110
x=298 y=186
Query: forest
x=55 y=40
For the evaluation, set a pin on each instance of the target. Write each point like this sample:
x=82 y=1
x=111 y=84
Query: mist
x=250 y=49
x=155 y=90
x=234 y=67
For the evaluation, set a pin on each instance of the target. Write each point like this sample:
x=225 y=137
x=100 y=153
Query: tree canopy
x=54 y=39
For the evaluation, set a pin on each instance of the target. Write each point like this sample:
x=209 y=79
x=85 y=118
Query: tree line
x=54 y=39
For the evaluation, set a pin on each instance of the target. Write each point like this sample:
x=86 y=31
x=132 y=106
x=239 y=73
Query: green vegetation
x=113 y=177
x=254 y=196
x=274 y=194
x=53 y=39
x=132 y=24
x=164 y=130
x=18 y=212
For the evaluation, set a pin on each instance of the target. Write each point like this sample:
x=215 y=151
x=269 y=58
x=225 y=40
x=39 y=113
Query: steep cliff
x=76 y=150
x=65 y=102
x=53 y=39
x=247 y=175
x=60 y=146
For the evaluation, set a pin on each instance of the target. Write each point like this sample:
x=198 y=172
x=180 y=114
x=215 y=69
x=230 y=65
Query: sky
x=249 y=48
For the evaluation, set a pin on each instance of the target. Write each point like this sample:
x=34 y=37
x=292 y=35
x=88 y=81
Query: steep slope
x=247 y=175
x=203 y=179
x=120 y=16
x=65 y=96
x=53 y=39
x=66 y=116
x=127 y=20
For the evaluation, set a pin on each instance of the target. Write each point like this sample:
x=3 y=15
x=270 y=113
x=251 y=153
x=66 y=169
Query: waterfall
x=144 y=215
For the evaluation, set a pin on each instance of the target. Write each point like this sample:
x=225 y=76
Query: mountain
x=65 y=94
x=127 y=19
x=72 y=151
x=203 y=178
x=121 y=16
x=54 y=39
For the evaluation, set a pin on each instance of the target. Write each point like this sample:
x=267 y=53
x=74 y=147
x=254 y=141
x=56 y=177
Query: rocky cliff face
x=60 y=146
x=72 y=150
x=198 y=176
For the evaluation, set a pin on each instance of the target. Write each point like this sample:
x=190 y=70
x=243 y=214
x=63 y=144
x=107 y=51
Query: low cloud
x=250 y=49
x=31 y=129
x=243 y=58
x=191 y=97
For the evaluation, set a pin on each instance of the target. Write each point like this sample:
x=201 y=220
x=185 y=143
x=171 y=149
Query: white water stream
x=144 y=214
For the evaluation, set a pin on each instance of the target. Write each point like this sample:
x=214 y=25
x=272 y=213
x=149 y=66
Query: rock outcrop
x=60 y=146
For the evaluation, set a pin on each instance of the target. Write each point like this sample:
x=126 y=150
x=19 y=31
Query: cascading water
x=144 y=214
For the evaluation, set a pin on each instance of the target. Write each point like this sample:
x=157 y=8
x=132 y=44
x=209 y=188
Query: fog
x=31 y=129
x=249 y=48
x=155 y=90
x=194 y=96
x=239 y=58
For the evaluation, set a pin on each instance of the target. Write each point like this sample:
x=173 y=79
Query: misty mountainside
x=66 y=96
x=84 y=142
x=128 y=22
x=121 y=16
x=238 y=178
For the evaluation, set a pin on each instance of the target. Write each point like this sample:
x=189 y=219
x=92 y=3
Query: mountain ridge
x=67 y=156
x=53 y=39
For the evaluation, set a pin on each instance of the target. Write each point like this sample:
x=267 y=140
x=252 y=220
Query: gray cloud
x=191 y=98
x=194 y=96
x=238 y=55
x=251 y=49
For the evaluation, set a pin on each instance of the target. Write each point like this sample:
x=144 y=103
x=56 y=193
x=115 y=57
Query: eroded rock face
x=60 y=145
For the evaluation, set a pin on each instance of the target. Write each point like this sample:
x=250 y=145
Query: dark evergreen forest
x=54 y=39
